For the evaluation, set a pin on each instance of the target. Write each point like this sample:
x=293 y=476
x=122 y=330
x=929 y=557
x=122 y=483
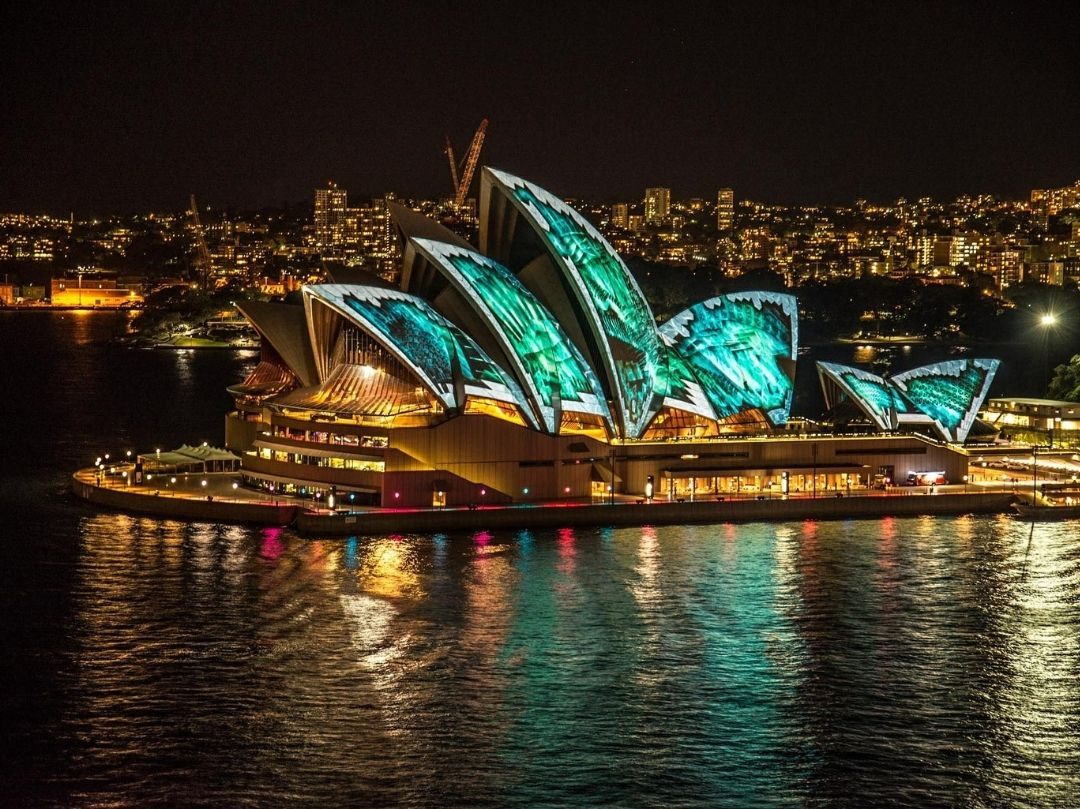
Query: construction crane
x=203 y=252
x=462 y=174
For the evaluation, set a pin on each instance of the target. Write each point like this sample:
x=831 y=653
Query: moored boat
x=1047 y=512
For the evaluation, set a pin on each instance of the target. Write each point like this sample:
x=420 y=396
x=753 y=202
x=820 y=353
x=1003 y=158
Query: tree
x=1065 y=384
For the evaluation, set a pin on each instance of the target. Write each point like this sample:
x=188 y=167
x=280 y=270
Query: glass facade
x=741 y=348
x=548 y=362
x=619 y=315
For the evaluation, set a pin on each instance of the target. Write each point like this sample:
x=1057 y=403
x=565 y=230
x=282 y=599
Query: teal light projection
x=871 y=393
x=741 y=348
x=548 y=363
x=620 y=318
x=435 y=349
x=946 y=394
x=683 y=390
x=950 y=393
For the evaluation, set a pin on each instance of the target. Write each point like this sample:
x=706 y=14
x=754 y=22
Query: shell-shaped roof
x=872 y=394
x=441 y=356
x=741 y=348
x=950 y=392
x=610 y=306
x=548 y=365
x=945 y=395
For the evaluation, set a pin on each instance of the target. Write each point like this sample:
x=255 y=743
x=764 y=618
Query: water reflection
x=936 y=659
x=1039 y=710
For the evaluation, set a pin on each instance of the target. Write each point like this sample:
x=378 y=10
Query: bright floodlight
x=1049 y=319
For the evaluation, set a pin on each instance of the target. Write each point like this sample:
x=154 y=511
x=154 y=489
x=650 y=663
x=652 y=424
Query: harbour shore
x=244 y=506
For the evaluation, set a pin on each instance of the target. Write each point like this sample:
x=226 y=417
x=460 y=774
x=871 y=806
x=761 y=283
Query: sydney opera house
x=533 y=369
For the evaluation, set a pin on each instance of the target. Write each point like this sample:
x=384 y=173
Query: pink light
x=566 y=489
x=272 y=546
x=397 y=495
x=483 y=492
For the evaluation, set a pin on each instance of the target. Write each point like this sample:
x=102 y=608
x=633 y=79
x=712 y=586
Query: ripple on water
x=920 y=662
x=917 y=661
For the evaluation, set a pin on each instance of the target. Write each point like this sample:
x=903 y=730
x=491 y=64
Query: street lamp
x=1047 y=320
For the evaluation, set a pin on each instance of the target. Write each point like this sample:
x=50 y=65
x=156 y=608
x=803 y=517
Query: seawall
x=184 y=508
x=656 y=513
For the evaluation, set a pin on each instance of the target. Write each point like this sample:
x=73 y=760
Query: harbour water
x=915 y=662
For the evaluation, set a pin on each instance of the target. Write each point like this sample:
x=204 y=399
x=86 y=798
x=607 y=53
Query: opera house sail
x=581 y=275
x=944 y=396
x=532 y=367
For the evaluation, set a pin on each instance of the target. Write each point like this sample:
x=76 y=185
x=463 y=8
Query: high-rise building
x=657 y=205
x=331 y=210
x=725 y=209
x=1003 y=262
x=923 y=248
x=620 y=215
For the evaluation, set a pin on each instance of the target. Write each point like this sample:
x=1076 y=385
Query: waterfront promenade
x=222 y=499
x=211 y=497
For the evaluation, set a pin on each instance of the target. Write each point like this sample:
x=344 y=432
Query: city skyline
x=248 y=109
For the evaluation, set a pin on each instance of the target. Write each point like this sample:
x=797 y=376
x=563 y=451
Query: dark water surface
x=920 y=662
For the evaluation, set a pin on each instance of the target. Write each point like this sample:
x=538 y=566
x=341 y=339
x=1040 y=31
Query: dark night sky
x=118 y=108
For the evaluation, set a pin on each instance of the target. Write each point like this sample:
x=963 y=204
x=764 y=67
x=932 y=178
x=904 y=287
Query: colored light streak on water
x=524 y=539
x=321 y=558
x=489 y=583
x=350 y=553
x=567 y=552
x=439 y=543
x=887 y=550
x=1042 y=654
x=272 y=545
x=388 y=568
x=646 y=589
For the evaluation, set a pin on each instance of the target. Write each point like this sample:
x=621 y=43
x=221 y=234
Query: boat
x=1044 y=513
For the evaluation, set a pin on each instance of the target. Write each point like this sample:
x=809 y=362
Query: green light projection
x=547 y=360
x=741 y=348
x=620 y=317
x=684 y=391
x=949 y=392
x=425 y=341
x=881 y=402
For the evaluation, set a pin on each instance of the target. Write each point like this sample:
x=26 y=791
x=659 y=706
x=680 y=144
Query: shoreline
x=321 y=522
x=630 y=514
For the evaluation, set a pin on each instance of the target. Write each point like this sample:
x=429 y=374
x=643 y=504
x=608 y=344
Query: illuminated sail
x=551 y=369
x=741 y=348
x=611 y=305
x=950 y=393
x=945 y=395
x=436 y=351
